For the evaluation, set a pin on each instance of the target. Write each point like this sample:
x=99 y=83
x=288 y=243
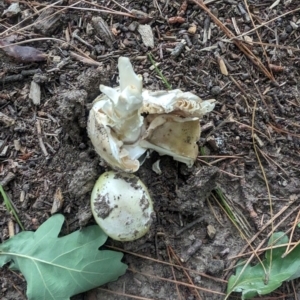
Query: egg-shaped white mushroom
x=122 y=206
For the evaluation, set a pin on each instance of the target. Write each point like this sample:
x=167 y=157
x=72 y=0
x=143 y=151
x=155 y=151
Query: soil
x=249 y=146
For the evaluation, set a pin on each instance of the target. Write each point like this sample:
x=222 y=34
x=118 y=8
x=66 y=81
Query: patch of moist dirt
x=45 y=147
x=102 y=207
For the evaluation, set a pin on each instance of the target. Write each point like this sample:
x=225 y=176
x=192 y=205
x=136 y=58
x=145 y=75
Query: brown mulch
x=245 y=57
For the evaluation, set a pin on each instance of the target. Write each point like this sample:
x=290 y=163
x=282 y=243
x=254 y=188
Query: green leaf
x=58 y=268
x=251 y=281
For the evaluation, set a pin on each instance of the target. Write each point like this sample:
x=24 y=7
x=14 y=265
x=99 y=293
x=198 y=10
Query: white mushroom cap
x=122 y=206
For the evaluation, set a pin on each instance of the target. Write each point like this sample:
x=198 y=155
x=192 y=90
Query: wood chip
x=17 y=145
x=47 y=22
x=222 y=66
x=183 y=8
x=258 y=140
x=35 y=93
x=4 y=151
x=58 y=201
x=274 y=4
x=11 y=228
x=103 y=31
x=174 y=20
x=248 y=39
x=12 y=10
x=276 y=68
x=211 y=231
x=8 y=121
x=147 y=35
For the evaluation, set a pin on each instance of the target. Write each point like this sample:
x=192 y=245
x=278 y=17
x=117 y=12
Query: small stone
x=12 y=10
x=215 y=11
x=215 y=90
x=192 y=29
x=211 y=231
x=82 y=146
x=215 y=266
x=294 y=25
x=244 y=76
x=133 y=26
x=288 y=28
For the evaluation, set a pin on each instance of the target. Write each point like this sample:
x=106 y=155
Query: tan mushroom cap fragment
x=174 y=136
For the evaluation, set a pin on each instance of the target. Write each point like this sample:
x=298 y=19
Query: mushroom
x=127 y=121
x=122 y=206
x=115 y=124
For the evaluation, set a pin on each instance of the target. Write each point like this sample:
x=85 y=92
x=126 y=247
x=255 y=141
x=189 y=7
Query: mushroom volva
x=122 y=206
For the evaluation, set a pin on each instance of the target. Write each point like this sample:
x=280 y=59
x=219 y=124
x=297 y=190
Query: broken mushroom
x=174 y=136
x=115 y=124
x=126 y=121
x=122 y=206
